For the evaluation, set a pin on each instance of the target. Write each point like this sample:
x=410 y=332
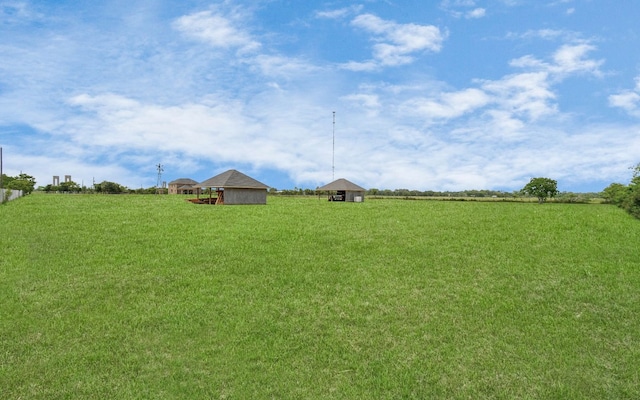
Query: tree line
x=104 y=187
x=23 y=182
x=540 y=188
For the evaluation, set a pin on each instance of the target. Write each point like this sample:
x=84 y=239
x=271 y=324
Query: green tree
x=5 y=180
x=615 y=193
x=631 y=202
x=542 y=188
x=69 y=186
x=23 y=182
x=109 y=187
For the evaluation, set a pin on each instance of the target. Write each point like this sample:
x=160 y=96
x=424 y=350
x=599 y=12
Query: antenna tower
x=333 y=151
x=160 y=170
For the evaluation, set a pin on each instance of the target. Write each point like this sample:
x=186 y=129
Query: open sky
x=427 y=95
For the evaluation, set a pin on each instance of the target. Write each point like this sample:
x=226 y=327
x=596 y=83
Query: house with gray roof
x=233 y=187
x=343 y=190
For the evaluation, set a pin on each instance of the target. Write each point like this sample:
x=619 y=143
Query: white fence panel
x=11 y=196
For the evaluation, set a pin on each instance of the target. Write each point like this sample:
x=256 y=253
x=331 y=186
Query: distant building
x=233 y=187
x=343 y=190
x=183 y=186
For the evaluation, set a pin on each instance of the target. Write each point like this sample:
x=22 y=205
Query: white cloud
x=448 y=105
x=219 y=31
x=628 y=100
x=568 y=59
x=457 y=3
x=218 y=129
x=548 y=34
x=476 y=13
x=369 y=101
x=463 y=8
x=282 y=67
x=505 y=102
x=339 y=13
x=509 y=101
x=396 y=44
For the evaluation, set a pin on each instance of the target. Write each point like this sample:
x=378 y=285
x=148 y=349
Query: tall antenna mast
x=333 y=151
x=160 y=169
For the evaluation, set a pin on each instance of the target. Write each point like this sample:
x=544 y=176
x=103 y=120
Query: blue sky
x=428 y=95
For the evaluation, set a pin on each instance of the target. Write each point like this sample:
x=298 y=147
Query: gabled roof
x=342 y=184
x=183 y=181
x=232 y=179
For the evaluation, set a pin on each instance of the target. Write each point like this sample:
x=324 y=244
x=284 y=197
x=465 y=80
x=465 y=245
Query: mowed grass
x=140 y=297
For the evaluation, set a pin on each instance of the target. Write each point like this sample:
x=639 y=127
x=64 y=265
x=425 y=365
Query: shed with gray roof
x=343 y=190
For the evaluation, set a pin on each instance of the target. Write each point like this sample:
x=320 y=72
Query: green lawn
x=152 y=297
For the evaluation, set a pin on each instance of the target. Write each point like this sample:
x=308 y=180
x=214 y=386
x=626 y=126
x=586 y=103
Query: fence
x=12 y=195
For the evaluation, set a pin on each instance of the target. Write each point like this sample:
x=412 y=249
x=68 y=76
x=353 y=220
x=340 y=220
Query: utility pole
x=333 y=150
x=0 y=167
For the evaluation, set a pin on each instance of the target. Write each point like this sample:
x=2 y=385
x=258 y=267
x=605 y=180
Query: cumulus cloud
x=395 y=44
x=571 y=58
x=628 y=100
x=219 y=129
x=568 y=59
x=216 y=29
x=505 y=106
x=525 y=95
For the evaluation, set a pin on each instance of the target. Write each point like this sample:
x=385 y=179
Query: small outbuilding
x=183 y=186
x=234 y=187
x=343 y=190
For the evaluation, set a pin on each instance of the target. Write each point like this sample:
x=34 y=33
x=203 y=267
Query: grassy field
x=151 y=297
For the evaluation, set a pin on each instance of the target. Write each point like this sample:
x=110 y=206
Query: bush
x=626 y=197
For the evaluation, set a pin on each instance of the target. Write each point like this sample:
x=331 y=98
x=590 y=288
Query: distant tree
x=109 y=187
x=542 y=188
x=69 y=186
x=615 y=193
x=23 y=182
